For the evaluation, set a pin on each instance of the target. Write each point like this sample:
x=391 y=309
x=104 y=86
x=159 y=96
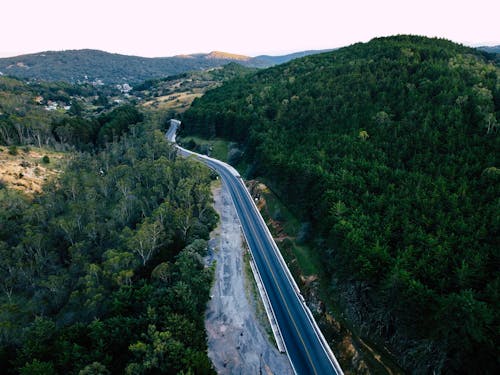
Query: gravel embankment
x=237 y=342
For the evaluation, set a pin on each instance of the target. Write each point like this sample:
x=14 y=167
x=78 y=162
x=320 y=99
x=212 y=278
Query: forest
x=389 y=150
x=78 y=118
x=103 y=271
x=87 y=65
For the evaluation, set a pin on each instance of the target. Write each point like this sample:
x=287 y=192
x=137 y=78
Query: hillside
x=102 y=242
x=264 y=61
x=490 y=49
x=389 y=150
x=176 y=93
x=108 y=68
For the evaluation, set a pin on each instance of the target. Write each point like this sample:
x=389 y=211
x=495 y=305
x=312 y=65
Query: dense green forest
x=390 y=150
x=103 y=271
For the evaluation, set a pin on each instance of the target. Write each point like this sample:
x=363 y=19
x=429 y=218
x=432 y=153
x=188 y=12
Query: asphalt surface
x=305 y=346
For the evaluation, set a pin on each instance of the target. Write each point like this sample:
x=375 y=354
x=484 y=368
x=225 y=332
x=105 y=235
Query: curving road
x=304 y=343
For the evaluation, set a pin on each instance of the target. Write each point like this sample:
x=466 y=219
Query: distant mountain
x=225 y=55
x=264 y=61
x=109 y=68
x=490 y=49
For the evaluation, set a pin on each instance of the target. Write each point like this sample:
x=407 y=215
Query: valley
x=374 y=166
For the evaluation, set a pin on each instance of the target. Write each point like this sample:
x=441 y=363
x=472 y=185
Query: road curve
x=304 y=343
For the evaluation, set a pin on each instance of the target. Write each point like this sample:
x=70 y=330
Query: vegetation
x=492 y=49
x=102 y=271
x=390 y=150
x=175 y=93
x=26 y=118
x=101 y=67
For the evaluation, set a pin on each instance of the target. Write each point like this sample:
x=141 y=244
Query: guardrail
x=270 y=313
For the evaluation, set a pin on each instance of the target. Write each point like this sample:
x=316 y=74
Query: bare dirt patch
x=26 y=171
x=178 y=102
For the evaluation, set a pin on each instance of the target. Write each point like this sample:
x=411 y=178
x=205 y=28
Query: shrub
x=234 y=156
x=13 y=150
x=45 y=159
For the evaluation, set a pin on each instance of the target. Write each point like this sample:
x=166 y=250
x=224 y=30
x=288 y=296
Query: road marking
x=252 y=224
x=263 y=252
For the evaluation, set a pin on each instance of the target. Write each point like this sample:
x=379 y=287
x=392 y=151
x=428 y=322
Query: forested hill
x=102 y=268
x=390 y=149
x=91 y=65
x=490 y=49
x=109 y=68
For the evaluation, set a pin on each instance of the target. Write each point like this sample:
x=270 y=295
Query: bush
x=234 y=156
x=45 y=159
x=37 y=367
x=304 y=233
x=13 y=150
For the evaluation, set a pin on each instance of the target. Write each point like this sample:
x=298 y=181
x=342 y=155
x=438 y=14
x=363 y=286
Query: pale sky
x=156 y=28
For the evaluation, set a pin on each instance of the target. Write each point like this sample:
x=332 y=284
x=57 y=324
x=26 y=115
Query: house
x=125 y=88
x=51 y=106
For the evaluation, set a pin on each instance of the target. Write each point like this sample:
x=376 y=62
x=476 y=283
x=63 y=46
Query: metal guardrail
x=267 y=304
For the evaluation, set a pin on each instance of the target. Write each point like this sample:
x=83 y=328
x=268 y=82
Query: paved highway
x=304 y=343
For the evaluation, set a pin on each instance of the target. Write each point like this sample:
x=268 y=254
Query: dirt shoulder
x=237 y=340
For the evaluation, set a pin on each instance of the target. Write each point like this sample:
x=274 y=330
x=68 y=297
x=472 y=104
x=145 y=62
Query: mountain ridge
x=100 y=67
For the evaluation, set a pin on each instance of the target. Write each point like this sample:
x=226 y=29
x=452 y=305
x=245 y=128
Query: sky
x=157 y=28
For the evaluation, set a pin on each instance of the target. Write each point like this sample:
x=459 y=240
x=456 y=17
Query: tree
x=38 y=340
x=158 y=351
x=95 y=368
x=36 y=367
x=163 y=272
x=119 y=266
x=76 y=108
x=147 y=239
x=363 y=135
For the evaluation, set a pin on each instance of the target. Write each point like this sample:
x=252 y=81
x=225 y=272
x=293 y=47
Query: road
x=304 y=343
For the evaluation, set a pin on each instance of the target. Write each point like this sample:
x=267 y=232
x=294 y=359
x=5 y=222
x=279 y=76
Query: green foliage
x=81 y=277
x=45 y=159
x=90 y=65
x=37 y=367
x=94 y=368
x=117 y=122
x=13 y=150
x=390 y=150
x=26 y=120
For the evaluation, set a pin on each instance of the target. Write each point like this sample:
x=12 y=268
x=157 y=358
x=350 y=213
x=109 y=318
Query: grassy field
x=218 y=148
x=178 y=102
x=307 y=259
